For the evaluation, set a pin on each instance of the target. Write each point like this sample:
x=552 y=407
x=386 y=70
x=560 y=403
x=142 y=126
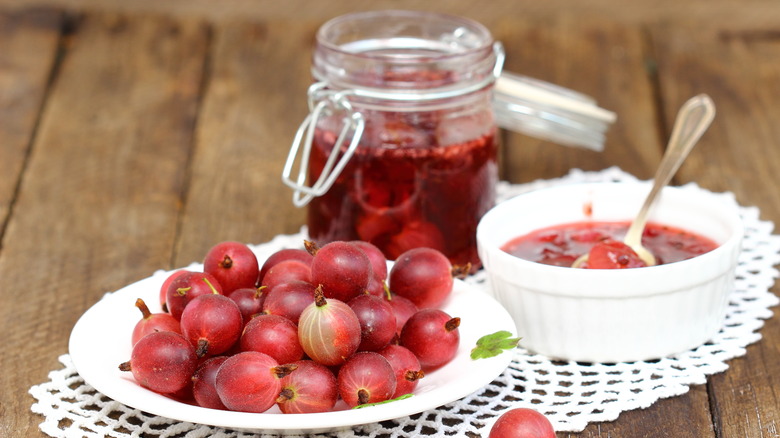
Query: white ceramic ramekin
x=603 y=315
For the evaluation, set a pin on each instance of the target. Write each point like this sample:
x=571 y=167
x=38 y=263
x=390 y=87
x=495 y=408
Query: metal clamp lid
x=322 y=100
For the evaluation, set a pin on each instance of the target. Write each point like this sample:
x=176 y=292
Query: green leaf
x=365 y=405
x=493 y=345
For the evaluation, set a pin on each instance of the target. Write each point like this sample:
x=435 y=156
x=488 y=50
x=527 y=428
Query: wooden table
x=133 y=142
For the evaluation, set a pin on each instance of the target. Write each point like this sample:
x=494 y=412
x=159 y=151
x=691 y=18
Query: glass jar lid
x=405 y=56
x=550 y=112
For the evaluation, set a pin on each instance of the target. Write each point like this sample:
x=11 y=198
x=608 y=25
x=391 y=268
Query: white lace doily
x=570 y=394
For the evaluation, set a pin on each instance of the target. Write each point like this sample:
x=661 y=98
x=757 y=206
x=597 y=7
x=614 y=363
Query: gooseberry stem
x=319 y=297
x=143 y=308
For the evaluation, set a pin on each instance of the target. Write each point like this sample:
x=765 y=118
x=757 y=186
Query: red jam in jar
x=398 y=198
x=424 y=170
x=561 y=245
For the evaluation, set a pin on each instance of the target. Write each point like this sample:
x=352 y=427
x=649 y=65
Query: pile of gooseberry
x=305 y=329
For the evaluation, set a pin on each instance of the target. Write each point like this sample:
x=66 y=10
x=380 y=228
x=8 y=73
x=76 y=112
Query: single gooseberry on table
x=522 y=423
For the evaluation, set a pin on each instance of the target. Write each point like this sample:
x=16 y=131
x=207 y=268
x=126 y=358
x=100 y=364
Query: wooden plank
x=684 y=416
x=255 y=101
x=740 y=72
x=29 y=41
x=601 y=59
x=752 y=12
x=100 y=197
x=739 y=154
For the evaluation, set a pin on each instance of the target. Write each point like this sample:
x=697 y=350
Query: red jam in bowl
x=561 y=245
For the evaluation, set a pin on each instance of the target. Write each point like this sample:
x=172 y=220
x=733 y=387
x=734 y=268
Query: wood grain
x=740 y=72
x=601 y=59
x=29 y=41
x=255 y=101
x=134 y=142
x=724 y=12
x=99 y=201
x=23 y=84
x=685 y=416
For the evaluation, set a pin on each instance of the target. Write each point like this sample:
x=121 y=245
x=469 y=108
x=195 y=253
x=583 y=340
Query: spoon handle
x=693 y=119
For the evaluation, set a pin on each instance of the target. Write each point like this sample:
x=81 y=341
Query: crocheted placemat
x=570 y=394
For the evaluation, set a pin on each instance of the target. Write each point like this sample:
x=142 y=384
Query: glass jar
x=401 y=145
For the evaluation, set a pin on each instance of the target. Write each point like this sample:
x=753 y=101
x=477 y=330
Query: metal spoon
x=693 y=119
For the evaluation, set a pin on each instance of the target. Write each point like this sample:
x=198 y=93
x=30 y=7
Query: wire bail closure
x=324 y=101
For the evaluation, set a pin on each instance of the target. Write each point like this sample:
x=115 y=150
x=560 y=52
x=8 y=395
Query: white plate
x=100 y=341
